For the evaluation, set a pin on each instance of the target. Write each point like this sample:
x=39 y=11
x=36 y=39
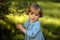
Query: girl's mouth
x=33 y=19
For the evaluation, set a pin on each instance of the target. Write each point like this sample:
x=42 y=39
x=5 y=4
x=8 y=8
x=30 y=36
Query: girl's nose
x=33 y=16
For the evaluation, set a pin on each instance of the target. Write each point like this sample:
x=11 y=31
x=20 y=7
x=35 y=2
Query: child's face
x=33 y=14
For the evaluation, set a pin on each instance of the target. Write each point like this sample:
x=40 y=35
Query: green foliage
x=4 y=5
x=13 y=12
x=7 y=26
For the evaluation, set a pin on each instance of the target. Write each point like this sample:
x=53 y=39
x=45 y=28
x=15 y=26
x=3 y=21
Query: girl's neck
x=31 y=22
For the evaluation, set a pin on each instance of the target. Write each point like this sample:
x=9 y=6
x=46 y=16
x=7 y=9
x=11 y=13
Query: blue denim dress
x=33 y=31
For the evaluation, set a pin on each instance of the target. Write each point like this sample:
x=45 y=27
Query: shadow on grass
x=53 y=31
x=8 y=30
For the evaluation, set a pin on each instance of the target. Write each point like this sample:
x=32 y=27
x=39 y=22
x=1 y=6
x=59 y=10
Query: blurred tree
x=4 y=5
x=5 y=32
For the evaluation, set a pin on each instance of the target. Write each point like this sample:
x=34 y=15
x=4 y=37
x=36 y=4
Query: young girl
x=32 y=25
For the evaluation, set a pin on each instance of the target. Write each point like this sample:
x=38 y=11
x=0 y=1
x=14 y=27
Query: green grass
x=50 y=9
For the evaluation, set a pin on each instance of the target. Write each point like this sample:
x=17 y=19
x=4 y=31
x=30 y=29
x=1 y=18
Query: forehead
x=34 y=10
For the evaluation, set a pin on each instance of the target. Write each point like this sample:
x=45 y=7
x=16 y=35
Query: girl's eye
x=31 y=13
x=36 y=14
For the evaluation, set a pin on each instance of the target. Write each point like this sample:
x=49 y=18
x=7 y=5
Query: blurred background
x=14 y=11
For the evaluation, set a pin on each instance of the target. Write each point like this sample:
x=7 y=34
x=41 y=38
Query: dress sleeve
x=26 y=24
x=34 y=31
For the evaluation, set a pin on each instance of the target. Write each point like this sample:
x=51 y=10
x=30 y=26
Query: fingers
x=19 y=26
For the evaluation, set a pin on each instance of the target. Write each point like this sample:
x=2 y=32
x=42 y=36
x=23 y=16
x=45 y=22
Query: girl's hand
x=19 y=26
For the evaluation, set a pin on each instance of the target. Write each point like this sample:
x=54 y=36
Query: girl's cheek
x=37 y=17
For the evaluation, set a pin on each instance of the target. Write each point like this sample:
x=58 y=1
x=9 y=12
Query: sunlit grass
x=23 y=18
x=48 y=20
x=50 y=9
x=46 y=32
x=17 y=18
x=49 y=4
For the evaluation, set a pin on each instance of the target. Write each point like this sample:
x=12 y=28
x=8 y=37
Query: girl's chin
x=33 y=20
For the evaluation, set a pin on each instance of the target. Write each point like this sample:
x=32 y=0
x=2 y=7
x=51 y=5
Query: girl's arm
x=19 y=26
x=31 y=33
